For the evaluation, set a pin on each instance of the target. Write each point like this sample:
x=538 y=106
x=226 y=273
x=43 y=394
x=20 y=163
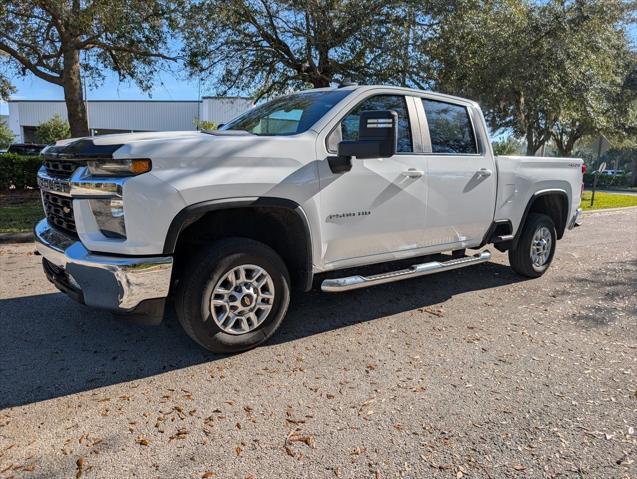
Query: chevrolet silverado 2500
x=296 y=192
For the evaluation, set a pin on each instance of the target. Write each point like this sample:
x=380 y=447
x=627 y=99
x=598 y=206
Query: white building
x=118 y=116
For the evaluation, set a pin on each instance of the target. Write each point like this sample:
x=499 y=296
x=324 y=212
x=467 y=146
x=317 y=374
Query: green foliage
x=269 y=47
x=50 y=40
x=507 y=146
x=6 y=135
x=19 y=171
x=607 y=180
x=205 y=125
x=545 y=70
x=52 y=130
x=6 y=89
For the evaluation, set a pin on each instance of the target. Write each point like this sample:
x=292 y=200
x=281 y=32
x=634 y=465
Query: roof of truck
x=397 y=89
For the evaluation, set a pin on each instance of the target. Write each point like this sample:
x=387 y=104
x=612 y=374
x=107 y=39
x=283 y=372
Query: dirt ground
x=471 y=373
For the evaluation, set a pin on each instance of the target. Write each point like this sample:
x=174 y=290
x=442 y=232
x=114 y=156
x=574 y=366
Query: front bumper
x=121 y=284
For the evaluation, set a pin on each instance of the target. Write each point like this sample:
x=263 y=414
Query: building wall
x=119 y=116
x=222 y=110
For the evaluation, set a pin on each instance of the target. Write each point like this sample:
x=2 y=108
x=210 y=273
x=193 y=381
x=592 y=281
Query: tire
x=210 y=271
x=521 y=257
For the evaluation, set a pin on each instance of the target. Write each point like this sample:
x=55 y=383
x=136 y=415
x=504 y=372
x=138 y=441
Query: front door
x=378 y=207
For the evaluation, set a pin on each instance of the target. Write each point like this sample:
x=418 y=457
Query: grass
x=20 y=218
x=607 y=200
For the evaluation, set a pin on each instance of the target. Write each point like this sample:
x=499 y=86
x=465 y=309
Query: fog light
x=109 y=214
x=117 y=208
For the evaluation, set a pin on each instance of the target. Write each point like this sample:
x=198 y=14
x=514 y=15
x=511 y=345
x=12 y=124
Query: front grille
x=61 y=168
x=59 y=212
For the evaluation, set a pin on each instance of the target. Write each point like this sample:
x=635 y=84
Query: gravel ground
x=471 y=373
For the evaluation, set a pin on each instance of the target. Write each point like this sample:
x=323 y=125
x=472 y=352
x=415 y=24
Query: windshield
x=287 y=115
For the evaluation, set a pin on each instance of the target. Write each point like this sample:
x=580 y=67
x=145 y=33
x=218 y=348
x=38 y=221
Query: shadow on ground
x=610 y=288
x=52 y=346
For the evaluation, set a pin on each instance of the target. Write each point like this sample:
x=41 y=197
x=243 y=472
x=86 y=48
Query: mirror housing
x=377 y=136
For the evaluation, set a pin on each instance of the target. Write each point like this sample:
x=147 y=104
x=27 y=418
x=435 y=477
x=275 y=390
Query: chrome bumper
x=116 y=283
x=576 y=220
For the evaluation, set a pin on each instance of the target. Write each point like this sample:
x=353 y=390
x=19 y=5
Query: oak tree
x=267 y=46
x=549 y=70
x=67 y=41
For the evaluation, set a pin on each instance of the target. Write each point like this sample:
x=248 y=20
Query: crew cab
x=299 y=192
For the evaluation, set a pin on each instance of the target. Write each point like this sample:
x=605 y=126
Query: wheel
x=233 y=295
x=534 y=252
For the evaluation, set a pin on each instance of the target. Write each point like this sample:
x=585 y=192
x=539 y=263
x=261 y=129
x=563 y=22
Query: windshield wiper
x=227 y=132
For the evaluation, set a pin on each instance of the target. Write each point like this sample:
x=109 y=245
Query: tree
x=540 y=69
x=600 y=66
x=268 y=46
x=6 y=89
x=6 y=135
x=52 y=130
x=64 y=41
x=507 y=146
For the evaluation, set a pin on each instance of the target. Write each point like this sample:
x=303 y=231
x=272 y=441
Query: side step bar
x=356 y=282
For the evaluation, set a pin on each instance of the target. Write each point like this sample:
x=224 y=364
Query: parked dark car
x=26 y=149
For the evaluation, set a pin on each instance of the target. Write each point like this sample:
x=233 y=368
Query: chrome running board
x=348 y=283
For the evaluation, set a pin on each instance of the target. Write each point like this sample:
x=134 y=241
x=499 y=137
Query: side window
x=449 y=128
x=348 y=129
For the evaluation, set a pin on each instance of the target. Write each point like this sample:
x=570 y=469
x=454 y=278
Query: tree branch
x=30 y=66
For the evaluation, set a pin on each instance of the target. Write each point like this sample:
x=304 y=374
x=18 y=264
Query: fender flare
x=527 y=210
x=192 y=213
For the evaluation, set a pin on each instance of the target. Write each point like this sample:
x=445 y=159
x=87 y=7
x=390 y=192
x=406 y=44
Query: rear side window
x=449 y=128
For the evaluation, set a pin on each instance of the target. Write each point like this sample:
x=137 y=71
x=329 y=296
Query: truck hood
x=146 y=144
x=126 y=138
x=176 y=154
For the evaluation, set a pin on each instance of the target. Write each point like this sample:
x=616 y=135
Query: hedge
x=18 y=171
x=607 y=180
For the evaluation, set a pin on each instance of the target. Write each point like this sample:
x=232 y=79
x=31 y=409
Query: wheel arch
x=284 y=227
x=551 y=202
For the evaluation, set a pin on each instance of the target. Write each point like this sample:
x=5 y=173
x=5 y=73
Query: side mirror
x=377 y=136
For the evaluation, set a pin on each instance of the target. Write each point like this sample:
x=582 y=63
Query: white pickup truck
x=296 y=192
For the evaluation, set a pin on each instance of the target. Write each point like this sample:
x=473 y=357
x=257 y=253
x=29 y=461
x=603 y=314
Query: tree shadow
x=607 y=289
x=52 y=346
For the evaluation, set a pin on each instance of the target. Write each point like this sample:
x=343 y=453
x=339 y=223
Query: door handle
x=413 y=173
x=484 y=172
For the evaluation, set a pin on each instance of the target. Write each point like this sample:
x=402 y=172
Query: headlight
x=119 y=167
x=109 y=214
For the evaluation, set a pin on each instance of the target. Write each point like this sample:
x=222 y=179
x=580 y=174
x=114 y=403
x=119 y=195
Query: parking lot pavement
x=470 y=373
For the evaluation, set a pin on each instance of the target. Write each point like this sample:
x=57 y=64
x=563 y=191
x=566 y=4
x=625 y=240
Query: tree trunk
x=319 y=81
x=72 y=82
x=531 y=148
x=564 y=151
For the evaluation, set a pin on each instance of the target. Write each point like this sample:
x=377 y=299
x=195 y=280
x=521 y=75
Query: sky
x=167 y=87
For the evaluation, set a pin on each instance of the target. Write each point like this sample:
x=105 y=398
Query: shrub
x=205 y=125
x=19 y=171
x=607 y=180
x=52 y=130
x=6 y=135
x=507 y=146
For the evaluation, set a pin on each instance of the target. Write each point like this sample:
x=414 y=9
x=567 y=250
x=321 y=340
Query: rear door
x=461 y=176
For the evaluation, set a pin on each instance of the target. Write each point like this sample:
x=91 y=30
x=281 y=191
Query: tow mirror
x=377 y=136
